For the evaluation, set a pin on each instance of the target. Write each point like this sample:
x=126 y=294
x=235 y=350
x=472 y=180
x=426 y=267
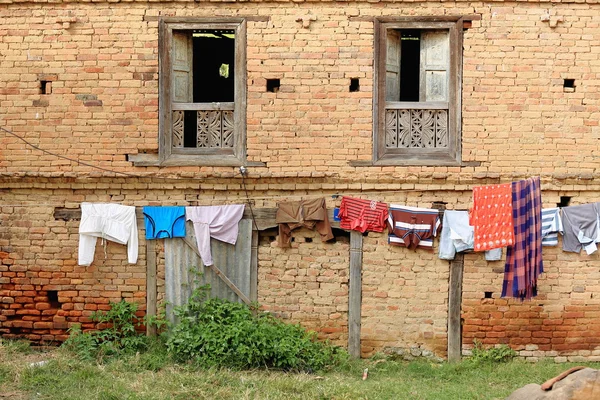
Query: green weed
x=496 y=354
x=217 y=332
x=118 y=338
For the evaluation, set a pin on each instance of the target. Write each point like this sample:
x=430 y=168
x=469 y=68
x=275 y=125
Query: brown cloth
x=311 y=214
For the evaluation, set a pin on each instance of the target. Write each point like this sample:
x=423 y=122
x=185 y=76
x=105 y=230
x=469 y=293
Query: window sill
x=446 y=161
x=180 y=160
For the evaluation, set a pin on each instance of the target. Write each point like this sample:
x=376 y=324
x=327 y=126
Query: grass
x=153 y=376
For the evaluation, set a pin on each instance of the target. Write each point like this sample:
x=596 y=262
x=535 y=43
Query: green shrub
x=496 y=354
x=118 y=338
x=222 y=333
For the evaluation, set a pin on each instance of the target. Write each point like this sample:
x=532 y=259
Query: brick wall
x=307 y=283
x=102 y=62
x=561 y=322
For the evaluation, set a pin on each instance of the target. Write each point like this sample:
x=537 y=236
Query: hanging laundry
x=580 y=225
x=551 y=226
x=217 y=222
x=113 y=222
x=412 y=227
x=311 y=214
x=164 y=222
x=458 y=236
x=362 y=215
x=491 y=216
x=524 y=258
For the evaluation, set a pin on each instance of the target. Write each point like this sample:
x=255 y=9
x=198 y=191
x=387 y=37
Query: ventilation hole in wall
x=273 y=85
x=271 y=238
x=308 y=240
x=354 y=85
x=340 y=233
x=53 y=298
x=293 y=239
x=439 y=205
x=569 y=83
x=45 y=87
x=487 y=295
x=564 y=201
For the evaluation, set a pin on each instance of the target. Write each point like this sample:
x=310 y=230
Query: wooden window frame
x=448 y=156
x=236 y=156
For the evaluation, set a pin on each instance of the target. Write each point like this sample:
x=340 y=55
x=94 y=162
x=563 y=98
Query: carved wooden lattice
x=416 y=128
x=177 y=128
x=214 y=129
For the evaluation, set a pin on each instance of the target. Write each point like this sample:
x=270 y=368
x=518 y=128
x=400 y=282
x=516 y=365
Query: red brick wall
x=562 y=321
x=102 y=59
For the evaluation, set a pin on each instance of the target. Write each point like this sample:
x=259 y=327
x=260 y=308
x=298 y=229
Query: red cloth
x=492 y=216
x=362 y=215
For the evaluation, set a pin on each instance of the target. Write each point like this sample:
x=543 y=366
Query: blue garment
x=164 y=222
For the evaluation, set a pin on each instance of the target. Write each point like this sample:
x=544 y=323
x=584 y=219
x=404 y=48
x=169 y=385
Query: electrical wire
x=65 y=157
x=242 y=173
x=247 y=197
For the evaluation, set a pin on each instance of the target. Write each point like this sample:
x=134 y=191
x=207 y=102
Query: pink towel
x=217 y=222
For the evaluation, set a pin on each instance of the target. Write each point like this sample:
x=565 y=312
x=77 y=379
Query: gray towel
x=581 y=227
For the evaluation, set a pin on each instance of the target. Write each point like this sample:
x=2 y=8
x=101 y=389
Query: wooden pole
x=355 y=293
x=151 y=284
x=454 y=308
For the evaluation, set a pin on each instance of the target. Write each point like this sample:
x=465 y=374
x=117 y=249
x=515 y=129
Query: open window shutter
x=392 y=66
x=182 y=90
x=435 y=65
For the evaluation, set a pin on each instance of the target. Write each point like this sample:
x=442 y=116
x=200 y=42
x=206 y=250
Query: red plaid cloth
x=524 y=258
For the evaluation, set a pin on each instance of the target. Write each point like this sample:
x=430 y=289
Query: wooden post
x=454 y=308
x=254 y=267
x=150 y=284
x=355 y=293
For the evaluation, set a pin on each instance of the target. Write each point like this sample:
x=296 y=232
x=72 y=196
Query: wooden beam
x=454 y=308
x=219 y=273
x=422 y=18
x=151 y=285
x=355 y=293
x=265 y=217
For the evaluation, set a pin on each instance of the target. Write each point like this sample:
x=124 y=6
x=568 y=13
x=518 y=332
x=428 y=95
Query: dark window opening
x=273 y=85
x=214 y=64
x=308 y=240
x=487 y=295
x=410 y=62
x=569 y=83
x=564 y=201
x=354 y=85
x=211 y=78
x=53 y=298
x=190 y=125
x=45 y=87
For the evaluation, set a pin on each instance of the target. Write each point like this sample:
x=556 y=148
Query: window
x=417 y=95
x=202 y=92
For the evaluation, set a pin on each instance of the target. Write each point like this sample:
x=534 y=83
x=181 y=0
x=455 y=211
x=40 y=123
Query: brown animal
x=578 y=383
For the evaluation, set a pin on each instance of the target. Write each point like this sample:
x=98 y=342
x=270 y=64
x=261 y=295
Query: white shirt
x=113 y=222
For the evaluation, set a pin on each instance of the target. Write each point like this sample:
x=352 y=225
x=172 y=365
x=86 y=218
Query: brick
x=517 y=121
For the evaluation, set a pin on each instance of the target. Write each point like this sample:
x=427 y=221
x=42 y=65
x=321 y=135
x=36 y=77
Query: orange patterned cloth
x=492 y=217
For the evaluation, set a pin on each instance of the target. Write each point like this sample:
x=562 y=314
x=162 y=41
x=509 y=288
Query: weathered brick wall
x=307 y=283
x=561 y=322
x=42 y=289
x=102 y=62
